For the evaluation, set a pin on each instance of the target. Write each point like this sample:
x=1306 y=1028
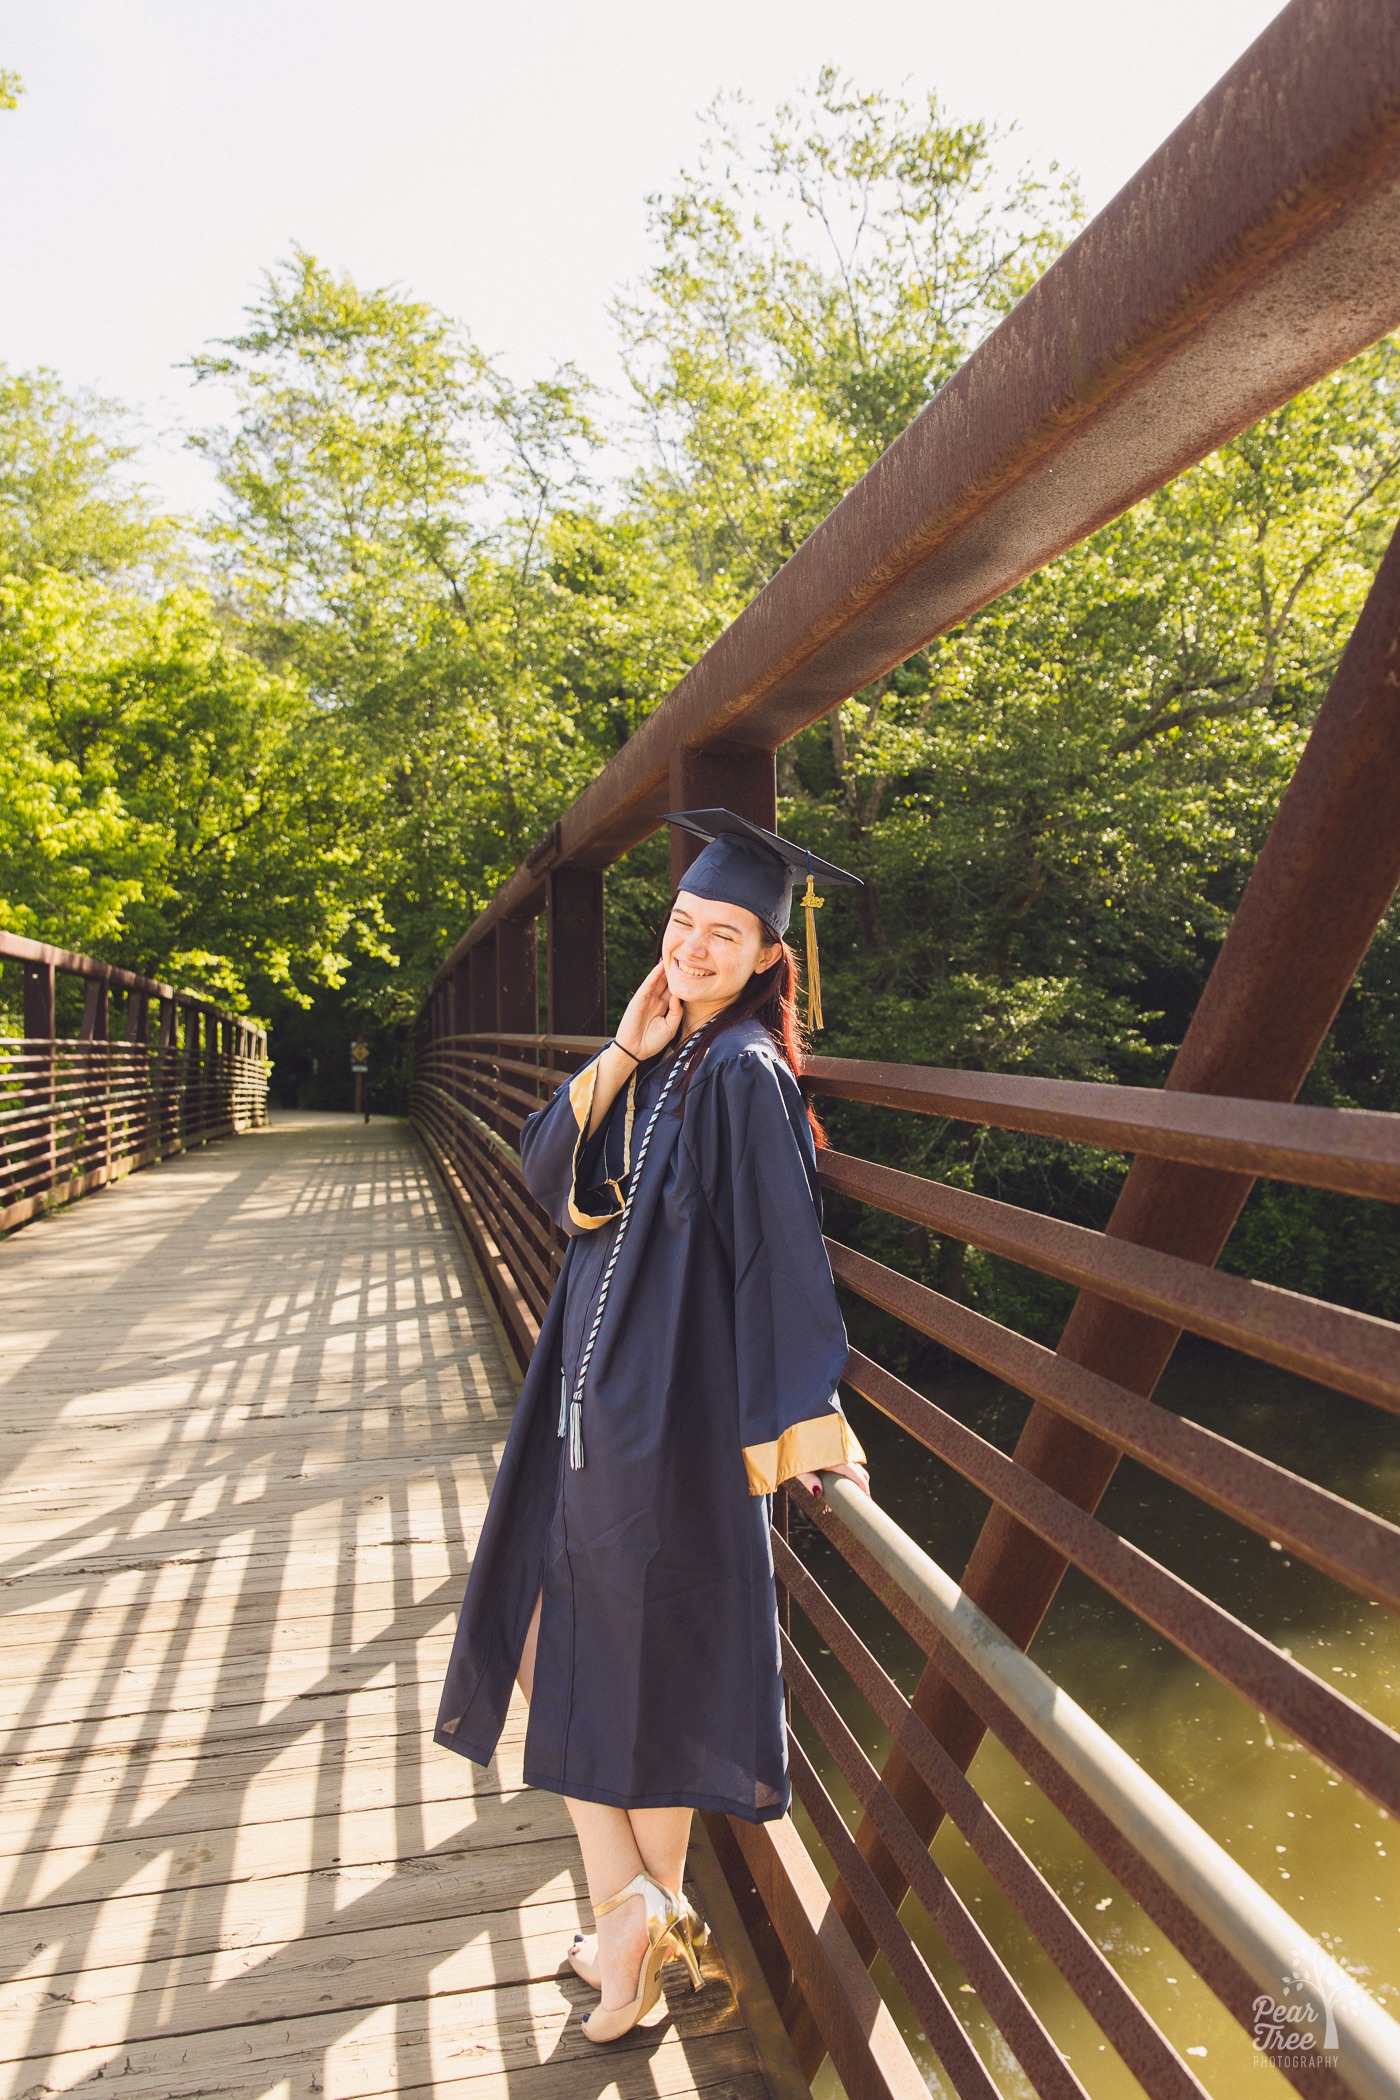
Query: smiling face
x=711 y=950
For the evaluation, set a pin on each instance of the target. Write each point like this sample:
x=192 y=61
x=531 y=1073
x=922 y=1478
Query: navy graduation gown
x=712 y=1379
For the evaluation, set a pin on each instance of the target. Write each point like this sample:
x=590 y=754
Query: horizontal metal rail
x=1348 y=1350
x=1161 y=2071
x=1268 y=1944
x=1352 y=1151
x=1333 y=1727
x=1344 y=1541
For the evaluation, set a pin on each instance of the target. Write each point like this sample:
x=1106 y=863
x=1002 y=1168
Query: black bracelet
x=613 y=1044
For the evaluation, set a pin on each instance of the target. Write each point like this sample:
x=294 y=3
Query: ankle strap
x=642 y=1885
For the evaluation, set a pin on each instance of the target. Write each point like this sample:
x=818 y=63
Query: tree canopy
x=287 y=754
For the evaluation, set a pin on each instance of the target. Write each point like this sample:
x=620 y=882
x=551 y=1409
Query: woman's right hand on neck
x=652 y=1017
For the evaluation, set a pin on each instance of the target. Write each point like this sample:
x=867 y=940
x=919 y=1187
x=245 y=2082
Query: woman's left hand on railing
x=849 y=1470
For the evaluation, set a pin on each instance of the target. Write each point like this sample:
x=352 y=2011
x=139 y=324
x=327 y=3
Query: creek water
x=1317 y=1846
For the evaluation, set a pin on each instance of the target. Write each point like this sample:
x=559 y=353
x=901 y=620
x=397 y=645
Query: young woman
x=687 y=1365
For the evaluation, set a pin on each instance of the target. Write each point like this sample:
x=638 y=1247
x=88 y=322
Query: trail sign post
x=359 y=1065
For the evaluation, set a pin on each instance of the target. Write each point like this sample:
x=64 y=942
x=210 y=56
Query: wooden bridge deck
x=251 y=1403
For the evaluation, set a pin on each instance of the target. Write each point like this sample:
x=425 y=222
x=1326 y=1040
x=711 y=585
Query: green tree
x=166 y=800
x=65 y=503
x=416 y=536
x=820 y=277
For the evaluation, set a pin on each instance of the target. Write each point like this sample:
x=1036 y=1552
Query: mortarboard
x=744 y=864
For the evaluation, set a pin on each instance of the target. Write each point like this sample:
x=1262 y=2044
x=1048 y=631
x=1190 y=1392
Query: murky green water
x=1319 y=1848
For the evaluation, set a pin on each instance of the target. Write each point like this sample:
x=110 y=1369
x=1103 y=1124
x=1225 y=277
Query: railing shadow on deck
x=1256 y=251
x=319 y=1407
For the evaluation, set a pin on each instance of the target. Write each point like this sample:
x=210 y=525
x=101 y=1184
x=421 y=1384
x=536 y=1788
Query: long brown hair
x=770 y=996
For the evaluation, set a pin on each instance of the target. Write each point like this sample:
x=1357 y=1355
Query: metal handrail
x=79 y=1112
x=1270 y=1945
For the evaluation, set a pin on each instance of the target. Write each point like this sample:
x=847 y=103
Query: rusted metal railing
x=81 y=1110
x=1256 y=251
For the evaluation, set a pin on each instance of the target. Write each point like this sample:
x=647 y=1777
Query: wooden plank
x=205 y=1636
x=255 y=1850
x=339 y=1970
x=178 y=1686
x=145 y=1775
x=227 y=1638
x=235 y=1792
x=475 y=2042
x=146 y=1920
x=175 y=1732
x=161 y=1609
x=238 y=1562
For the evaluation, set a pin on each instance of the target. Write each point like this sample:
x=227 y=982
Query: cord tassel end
x=811 y=904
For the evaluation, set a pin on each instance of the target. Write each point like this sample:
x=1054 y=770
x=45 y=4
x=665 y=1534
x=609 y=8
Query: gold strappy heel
x=697 y=1933
x=666 y=1924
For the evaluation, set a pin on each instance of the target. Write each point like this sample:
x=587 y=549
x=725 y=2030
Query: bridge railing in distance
x=1256 y=251
x=150 y=1072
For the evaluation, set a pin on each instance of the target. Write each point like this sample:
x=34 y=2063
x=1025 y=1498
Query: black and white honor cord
x=571 y=1410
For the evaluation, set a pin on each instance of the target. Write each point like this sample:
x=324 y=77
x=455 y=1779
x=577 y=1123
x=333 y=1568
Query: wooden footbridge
x=239 y=1503
x=253 y=1398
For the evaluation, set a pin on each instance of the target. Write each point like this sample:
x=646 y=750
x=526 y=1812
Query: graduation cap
x=744 y=864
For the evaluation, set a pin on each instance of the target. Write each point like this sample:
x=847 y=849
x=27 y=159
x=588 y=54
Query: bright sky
x=494 y=159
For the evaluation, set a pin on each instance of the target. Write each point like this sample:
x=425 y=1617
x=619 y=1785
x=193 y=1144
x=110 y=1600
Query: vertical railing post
x=263 y=1077
x=96 y=1008
x=457 y=998
x=483 y=1018
x=138 y=1073
x=208 y=1073
x=576 y=957
x=189 y=1078
x=238 y=1040
x=483 y=986
x=39 y=1052
x=518 y=984
x=226 y=1038
x=194 y=1075
x=166 y=1076
x=517 y=978
x=452 y=1071
x=95 y=1029
x=722 y=776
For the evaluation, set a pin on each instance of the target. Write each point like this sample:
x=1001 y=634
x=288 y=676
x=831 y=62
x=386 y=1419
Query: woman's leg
x=525 y=1672
x=662 y=1835
x=610 y=1859
x=616 y=1844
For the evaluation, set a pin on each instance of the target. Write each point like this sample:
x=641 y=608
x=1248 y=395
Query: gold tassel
x=811 y=902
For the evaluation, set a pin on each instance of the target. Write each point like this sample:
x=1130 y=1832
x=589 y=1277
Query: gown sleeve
x=751 y=1148
x=565 y=1169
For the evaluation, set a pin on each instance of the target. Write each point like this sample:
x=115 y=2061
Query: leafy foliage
x=290 y=758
